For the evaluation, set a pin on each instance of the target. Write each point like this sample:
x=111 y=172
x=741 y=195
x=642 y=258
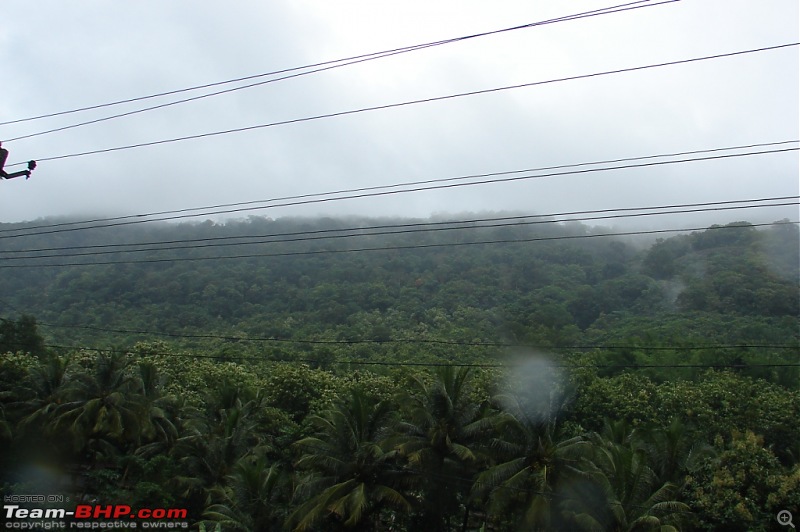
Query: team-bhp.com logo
x=118 y=516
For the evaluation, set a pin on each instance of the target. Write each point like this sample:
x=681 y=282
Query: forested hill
x=530 y=377
x=300 y=281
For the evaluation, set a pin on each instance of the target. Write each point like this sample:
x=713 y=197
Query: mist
x=735 y=101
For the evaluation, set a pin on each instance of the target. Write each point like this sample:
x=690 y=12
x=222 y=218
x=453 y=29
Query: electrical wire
x=395 y=229
x=330 y=62
x=388 y=248
x=711 y=206
x=384 y=190
x=411 y=102
x=213 y=209
x=328 y=65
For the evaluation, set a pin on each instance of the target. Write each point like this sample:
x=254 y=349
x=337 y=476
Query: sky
x=95 y=52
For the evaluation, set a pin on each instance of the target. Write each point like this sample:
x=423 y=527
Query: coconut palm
x=96 y=413
x=215 y=441
x=536 y=469
x=674 y=451
x=254 y=499
x=635 y=497
x=351 y=473
x=103 y=405
x=160 y=410
x=439 y=437
x=45 y=389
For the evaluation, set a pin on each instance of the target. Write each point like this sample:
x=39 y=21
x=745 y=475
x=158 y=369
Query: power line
x=212 y=208
x=328 y=65
x=712 y=206
x=395 y=229
x=384 y=190
x=413 y=102
x=390 y=248
x=352 y=58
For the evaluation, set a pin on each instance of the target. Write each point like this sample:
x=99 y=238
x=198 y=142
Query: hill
x=324 y=374
x=301 y=288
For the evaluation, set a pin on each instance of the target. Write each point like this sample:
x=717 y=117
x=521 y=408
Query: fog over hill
x=404 y=265
x=482 y=279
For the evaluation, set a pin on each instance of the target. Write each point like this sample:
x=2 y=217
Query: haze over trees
x=554 y=384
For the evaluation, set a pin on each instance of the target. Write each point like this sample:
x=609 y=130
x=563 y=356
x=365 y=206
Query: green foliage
x=630 y=397
x=635 y=496
x=350 y=472
x=766 y=409
x=421 y=450
x=742 y=489
x=534 y=468
x=298 y=389
x=546 y=293
x=21 y=336
x=440 y=437
x=255 y=497
x=291 y=395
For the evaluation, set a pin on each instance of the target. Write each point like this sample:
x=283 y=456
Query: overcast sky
x=58 y=56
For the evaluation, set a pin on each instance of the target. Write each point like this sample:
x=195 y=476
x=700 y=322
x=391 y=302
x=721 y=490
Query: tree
x=636 y=499
x=742 y=488
x=351 y=473
x=674 y=451
x=215 y=441
x=535 y=467
x=44 y=391
x=159 y=409
x=102 y=405
x=21 y=336
x=296 y=388
x=439 y=436
x=254 y=498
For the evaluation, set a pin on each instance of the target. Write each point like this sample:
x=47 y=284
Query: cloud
x=97 y=52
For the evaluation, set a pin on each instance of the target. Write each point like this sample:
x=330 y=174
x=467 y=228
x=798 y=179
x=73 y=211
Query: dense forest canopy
x=362 y=374
x=299 y=284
